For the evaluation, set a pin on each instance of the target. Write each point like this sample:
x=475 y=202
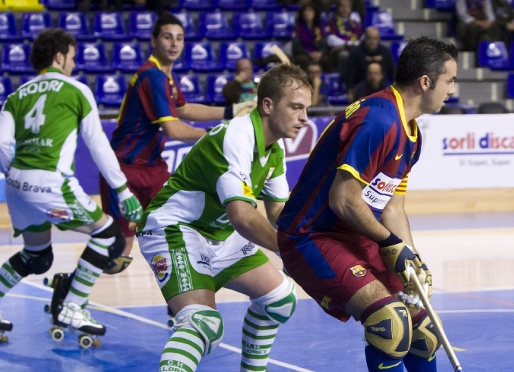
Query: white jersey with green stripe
x=42 y=120
x=229 y=163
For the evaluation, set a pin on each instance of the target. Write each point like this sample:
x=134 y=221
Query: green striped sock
x=183 y=351
x=8 y=278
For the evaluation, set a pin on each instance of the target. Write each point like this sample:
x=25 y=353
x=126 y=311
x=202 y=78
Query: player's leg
x=421 y=356
x=180 y=260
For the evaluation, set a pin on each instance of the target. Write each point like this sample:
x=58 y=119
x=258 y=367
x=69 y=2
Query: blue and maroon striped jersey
x=151 y=98
x=371 y=140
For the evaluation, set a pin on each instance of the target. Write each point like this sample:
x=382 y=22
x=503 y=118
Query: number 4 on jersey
x=35 y=117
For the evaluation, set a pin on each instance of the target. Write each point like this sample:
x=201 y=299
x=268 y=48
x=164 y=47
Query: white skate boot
x=73 y=315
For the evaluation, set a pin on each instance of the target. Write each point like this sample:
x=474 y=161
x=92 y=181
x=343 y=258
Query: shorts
x=38 y=198
x=332 y=267
x=183 y=260
x=144 y=182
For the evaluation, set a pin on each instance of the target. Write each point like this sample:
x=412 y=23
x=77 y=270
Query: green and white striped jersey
x=229 y=163
x=42 y=119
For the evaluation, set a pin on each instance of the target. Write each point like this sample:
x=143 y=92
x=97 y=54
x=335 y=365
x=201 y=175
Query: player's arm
x=199 y=112
x=251 y=224
x=177 y=130
x=395 y=219
x=7 y=141
x=273 y=210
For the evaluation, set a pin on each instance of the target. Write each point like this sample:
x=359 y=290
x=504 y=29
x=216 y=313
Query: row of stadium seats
x=128 y=56
x=109 y=89
x=110 y=26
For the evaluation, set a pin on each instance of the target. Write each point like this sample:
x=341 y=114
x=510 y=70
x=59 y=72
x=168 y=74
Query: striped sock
x=86 y=274
x=183 y=351
x=8 y=278
x=259 y=333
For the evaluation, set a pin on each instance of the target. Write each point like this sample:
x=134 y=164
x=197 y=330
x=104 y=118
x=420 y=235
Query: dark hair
x=165 y=19
x=317 y=14
x=423 y=56
x=274 y=81
x=47 y=44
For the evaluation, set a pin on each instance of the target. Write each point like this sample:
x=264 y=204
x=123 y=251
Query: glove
x=118 y=264
x=243 y=108
x=128 y=204
x=395 y=253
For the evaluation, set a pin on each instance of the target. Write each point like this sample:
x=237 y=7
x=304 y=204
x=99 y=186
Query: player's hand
x=118 y=264
x=129 y=206
x=396 y=256
x=243 y=108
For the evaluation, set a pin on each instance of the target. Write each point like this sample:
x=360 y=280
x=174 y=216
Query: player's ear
x=267 y=105
x=424 y=83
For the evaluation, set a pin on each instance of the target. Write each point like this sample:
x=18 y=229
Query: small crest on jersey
x=358 y=271
x=325 y=302
x=132 y=225
x=59 y=213
x=247 y=190
x=270 y=172
x=160 y=267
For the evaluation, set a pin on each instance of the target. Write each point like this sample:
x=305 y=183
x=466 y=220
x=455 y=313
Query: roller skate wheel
x=47 y=308
x=4 y=338
x=46 y=282
x=171 y=322
x=97 y=342
x=85 y=341
x=57 y=334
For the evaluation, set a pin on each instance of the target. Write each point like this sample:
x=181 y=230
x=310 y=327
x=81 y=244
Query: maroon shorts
x=144 y=182
x=332 y=267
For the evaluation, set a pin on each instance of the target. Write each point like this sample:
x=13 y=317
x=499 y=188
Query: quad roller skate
x=68 y=316
x=5 y=326
x=171 y=319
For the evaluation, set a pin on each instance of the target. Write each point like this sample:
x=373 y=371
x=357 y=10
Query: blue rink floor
x=478 y=324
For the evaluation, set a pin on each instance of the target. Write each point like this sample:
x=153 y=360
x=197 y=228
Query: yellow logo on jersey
x=324 y=303
x=398 y=157
x=352 y=108
x=247 y=190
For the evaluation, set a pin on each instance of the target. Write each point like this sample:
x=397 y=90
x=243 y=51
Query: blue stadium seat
x=9 y=28
x=127 y=56
x=109 y=26
x=92 y=57
x=110 y=89
x=201 y=57
x=77 y=24
x=191 y=88
x=440 y=4
x=383 y=20
x=215 y=84
x=15 y=58
x=280 y=25
x=6 y=88
x=140 y=25
x=337 y=90
x=510 y=85
x=248 y=25
x=32 y=23
x=82 y=78
x=396 y=49
x=230 y=52
x=493 y=54
x=199 y=4
x=190 y=30
x=232 y=4
x=264 y=4
x=215 y=26
x=180 y=65
x=60 y=4
x=24 y=79
x=262 y=49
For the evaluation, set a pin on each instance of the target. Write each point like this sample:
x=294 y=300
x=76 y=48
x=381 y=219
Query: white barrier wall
x=465 y=152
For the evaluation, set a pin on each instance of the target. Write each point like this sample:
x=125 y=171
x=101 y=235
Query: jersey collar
x=156 y=61
x=50 y=69
x=401 y=109
x=259 y=132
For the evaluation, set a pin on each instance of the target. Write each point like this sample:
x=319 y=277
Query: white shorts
x=183 y=260
x=37 y=199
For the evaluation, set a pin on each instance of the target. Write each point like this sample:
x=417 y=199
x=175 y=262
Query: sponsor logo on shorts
x=142 y=233
x=160 y=267
x=204 y=260
x=248 y=248
x=325 y=302
x=27 y=187
x=358 y=271
x=59 y=213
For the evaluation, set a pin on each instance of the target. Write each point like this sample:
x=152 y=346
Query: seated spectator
x=309 y=44
x=369 y=50
x=505 y=18
x=242 y=88
x=373 y=83
x=343 y=33
x=158 y=6
x=476 y=22
x=319 y=89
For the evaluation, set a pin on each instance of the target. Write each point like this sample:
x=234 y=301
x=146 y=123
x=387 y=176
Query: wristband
x=229 y=112
x=390 y=240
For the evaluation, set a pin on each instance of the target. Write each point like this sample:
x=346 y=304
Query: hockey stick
x=280 y=54
x=438 y=327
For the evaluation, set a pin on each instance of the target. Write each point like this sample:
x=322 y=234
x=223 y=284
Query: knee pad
x=204 y=320
x=94 y=258
x=28 y=262
x=424 y=339
x=280 y=304
x=389 y=329
x=113 y=230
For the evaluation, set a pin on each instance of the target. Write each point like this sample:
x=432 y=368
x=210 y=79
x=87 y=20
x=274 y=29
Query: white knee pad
x=206 y=321
x=279 y=304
